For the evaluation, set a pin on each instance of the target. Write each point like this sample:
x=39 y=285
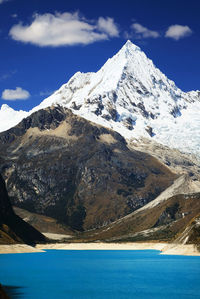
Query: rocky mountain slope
x=43 y=223
x=177 y=161
x=58 y=164
x=98 y=155
x=191 y=233
x=175 y=219
x=12 y=228
x=131 y=96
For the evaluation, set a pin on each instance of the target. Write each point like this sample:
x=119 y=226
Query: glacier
x=131 y=96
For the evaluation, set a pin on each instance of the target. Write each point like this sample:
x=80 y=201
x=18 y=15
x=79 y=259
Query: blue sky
x=43 y=43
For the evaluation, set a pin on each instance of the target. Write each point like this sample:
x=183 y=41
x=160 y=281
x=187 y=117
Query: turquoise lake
x=99 y=274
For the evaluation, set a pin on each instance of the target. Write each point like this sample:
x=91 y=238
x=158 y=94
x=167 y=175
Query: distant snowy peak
x=130 y=95
x=9 y=117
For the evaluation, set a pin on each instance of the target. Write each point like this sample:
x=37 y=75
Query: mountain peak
x=129 y=51
x=5 y=107
x=130 y=46
x=130 y=95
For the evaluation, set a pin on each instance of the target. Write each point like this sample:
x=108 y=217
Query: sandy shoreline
x=170 y=249
x=18 y=248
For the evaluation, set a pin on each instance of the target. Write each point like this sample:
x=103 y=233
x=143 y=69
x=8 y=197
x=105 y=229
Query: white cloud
x=143 y=32
x=15 y=94
x=2 y=1
x=178 y=31
x=108 y=26
x=46 y=93
x=6 y=75
x=63 y=29
x=14 y=15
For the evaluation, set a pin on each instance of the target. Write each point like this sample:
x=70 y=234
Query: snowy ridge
x=130 y=95
x=10 y=118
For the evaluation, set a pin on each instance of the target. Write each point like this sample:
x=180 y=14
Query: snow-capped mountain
x=10 y=117
x=130 y=95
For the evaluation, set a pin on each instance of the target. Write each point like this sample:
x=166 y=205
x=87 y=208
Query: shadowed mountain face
x=12 y=228
x=84 y=175
x=3 y=295
x=6 y=208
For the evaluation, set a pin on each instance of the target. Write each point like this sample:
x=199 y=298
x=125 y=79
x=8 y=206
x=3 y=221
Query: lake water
x=100 y=274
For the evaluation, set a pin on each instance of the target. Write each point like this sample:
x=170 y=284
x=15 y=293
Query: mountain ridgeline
x=131 y=96
x=113 y=155
x=84 y=175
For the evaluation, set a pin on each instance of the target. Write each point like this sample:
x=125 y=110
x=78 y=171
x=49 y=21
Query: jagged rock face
x=82 y=174
x=12 y=228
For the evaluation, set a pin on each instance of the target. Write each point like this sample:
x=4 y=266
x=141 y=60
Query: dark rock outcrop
x=3 y=294
x=12 y=228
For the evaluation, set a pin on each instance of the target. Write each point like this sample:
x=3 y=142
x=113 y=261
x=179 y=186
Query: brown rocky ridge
x=84 y=175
